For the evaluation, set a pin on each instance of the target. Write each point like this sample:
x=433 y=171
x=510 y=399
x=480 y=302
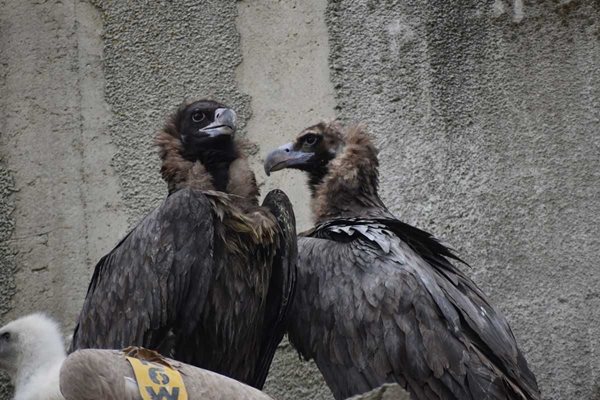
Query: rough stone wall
x=486 y=113
x=56 y=154
x=156 y=56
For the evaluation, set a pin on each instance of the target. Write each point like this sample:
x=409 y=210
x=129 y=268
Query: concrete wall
x=486 y=113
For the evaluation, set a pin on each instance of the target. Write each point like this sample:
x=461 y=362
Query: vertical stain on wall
x=7 y=206
x=54 y=145
x=105 y=220
x=156 y=55
x=7 y=252
x=285 y=71
x=7 y=257
x=288 y=80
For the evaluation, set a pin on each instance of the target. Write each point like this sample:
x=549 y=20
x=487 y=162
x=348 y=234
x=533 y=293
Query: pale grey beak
x=224 y=123
x=285 y=157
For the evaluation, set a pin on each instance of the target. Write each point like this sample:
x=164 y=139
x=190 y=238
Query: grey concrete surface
x=7 y=252
x=486 y=113
x=487 y=117
x=59 y=196
x=157 y=55
x=56 y=152
x=285 y=71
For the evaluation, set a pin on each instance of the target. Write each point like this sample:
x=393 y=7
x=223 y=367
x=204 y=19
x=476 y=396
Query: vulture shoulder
x=144 y=277
x=378 y=301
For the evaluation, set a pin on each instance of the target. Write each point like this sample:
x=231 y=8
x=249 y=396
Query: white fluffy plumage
x=32 y=351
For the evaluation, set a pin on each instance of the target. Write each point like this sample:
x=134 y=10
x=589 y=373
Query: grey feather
x=402 y=313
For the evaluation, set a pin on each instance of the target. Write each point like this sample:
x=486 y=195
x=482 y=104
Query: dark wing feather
x=282 y=283
x=138 y=289
x=375 y=303
x=487 y=327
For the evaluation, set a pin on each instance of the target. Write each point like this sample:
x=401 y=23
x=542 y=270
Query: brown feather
x=180 y=173
x=207 y=276
x=352 y=179
x=176 y=170
x=242 y=182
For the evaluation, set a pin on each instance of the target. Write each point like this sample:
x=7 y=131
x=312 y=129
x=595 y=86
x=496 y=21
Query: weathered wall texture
x=486 y=113
x=56 y=152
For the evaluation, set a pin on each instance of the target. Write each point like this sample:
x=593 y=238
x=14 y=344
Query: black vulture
x=378 y=300
x=207 y=276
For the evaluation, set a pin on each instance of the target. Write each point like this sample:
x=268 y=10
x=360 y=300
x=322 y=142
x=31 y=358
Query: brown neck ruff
x=349 y=189
x=181 y=173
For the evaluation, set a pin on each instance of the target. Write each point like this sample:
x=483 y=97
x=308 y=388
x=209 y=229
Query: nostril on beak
x=218 y=115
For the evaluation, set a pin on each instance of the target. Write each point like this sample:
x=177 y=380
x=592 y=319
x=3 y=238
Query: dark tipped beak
x=224 y=123
x=285 y=157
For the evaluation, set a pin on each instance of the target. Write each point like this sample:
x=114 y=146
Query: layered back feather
x=379 y=300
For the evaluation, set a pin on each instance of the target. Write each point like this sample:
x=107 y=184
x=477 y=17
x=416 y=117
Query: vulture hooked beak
x=224 y=123
x=285 y=157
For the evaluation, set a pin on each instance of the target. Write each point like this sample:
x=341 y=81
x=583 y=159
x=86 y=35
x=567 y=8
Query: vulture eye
x=5 y=336
x=311 y=139
x=198 y=116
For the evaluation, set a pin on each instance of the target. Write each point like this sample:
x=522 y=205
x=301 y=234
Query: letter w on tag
x=157 y=382
x=163 y=394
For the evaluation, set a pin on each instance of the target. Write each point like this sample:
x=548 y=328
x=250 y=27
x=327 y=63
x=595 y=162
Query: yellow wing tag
x=157 y=382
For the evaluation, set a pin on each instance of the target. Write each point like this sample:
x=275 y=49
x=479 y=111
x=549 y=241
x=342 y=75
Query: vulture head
x=32 y=351
x=341 y=163
x=198 y=146
x=204 y=126
x=311 y=151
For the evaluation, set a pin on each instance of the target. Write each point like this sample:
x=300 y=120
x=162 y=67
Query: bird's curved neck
x=222 y=168
x=349 y=188
x=203 y=170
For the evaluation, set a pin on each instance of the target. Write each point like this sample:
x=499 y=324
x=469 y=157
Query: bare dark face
x=205 y=124
x=312 y=150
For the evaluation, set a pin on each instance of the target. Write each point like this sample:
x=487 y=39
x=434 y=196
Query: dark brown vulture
x=207 y=276
x=378 y=300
